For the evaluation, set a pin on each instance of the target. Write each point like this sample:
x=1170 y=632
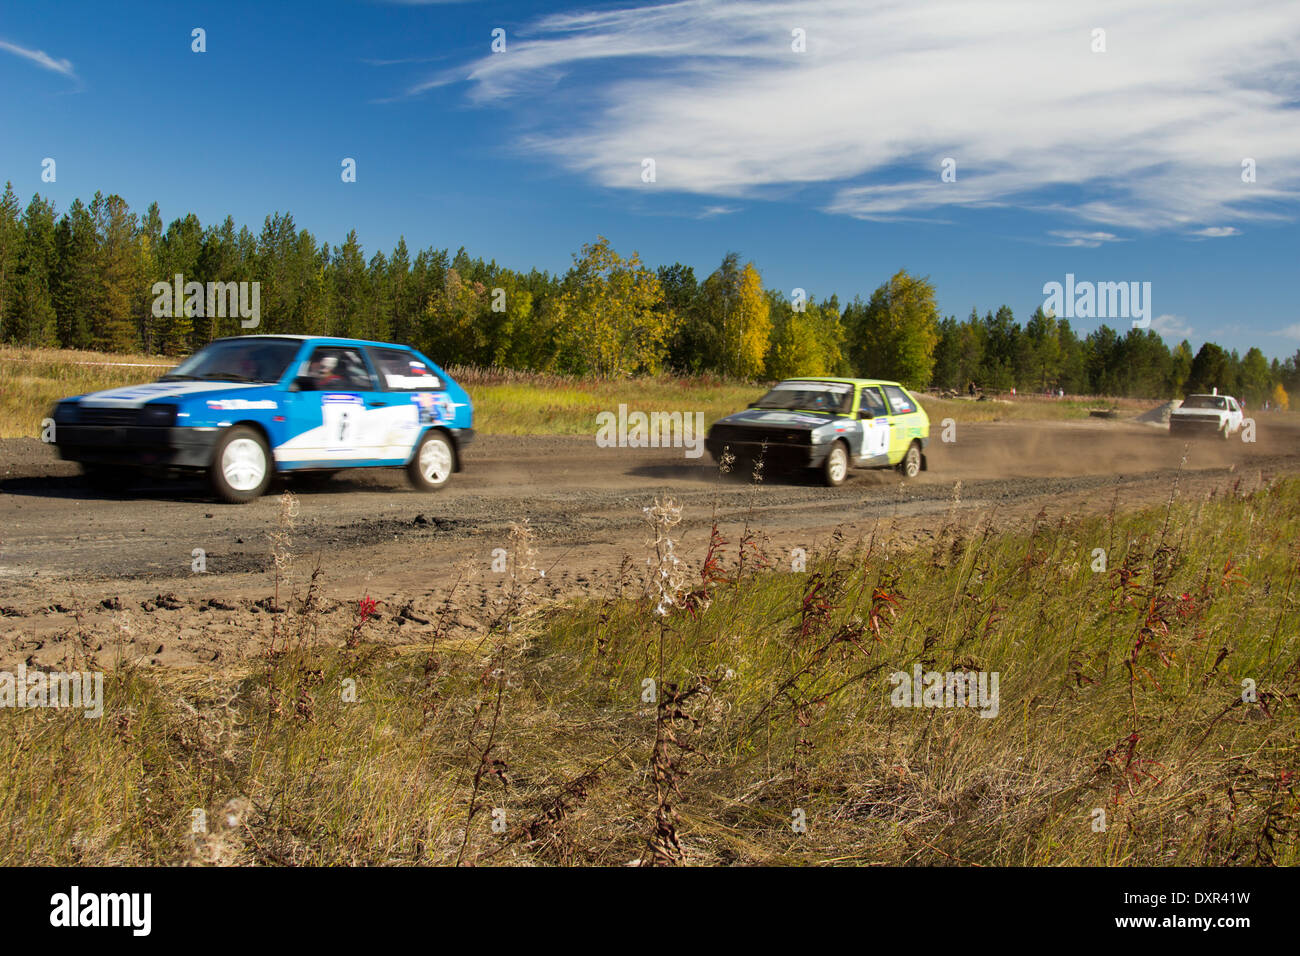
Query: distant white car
x=1206 y=415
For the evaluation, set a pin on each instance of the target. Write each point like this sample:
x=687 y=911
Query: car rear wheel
x=911 y=463
x=241 y=466
x=836 y=466
x=433 y=462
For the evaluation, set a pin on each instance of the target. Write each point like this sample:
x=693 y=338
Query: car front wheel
x=836 y=466
x=433 y=462
x=241 y=466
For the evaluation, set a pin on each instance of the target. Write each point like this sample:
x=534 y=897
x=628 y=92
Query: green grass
x=1121 y=692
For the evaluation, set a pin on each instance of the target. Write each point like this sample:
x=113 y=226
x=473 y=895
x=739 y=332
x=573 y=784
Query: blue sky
x=822 y=166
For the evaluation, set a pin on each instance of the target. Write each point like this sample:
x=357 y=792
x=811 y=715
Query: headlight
x=158 y=416
x=820 y=436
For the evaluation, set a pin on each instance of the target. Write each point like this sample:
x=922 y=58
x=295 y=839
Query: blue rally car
x=247 y=407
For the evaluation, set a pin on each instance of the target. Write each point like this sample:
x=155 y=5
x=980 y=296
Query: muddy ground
x=101 y=578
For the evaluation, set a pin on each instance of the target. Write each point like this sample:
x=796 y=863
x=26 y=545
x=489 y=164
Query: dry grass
x=32 y=380
x=605 y=732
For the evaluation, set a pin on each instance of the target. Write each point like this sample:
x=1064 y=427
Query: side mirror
x=865 y=415
x=303 y=383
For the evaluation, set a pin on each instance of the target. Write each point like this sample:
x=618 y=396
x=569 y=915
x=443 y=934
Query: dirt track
x=110 y=576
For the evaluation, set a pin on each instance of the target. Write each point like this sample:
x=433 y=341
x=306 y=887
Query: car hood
x=778 y=418
x=136 y=396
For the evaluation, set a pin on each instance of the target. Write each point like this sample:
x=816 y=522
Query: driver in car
x=325 y=371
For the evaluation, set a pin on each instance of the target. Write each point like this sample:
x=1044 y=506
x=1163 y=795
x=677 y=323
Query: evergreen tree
x=120 y=290
x=11 y=243
x=1210 y=370
x=31 y=321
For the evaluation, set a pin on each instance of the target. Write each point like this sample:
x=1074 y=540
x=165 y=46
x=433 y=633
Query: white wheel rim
x=243 y=464
x=913 y=463
x=839 y=465
x=435 y=461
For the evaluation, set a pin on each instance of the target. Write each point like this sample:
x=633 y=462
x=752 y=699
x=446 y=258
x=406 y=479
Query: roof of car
x=842 y=381
x=315 y=338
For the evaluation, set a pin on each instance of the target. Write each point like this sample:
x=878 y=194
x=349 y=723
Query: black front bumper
x=777 y=456
x=136 y=446
x=1204 y=427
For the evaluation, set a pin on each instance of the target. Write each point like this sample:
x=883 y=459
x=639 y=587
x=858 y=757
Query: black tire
x=432 y=463
x=836 y=466
x=111 y=478
x=910 y=466
x=241 y=466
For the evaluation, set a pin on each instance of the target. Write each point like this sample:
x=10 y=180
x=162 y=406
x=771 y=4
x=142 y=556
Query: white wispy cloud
x=40 y=58
x=709 y=212
x=1148 y=135
x=1172 y=326
x=1217 y=232
x=400 y=61
x=1085 y=240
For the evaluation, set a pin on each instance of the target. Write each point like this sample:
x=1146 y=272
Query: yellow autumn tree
x=738 y=308
x=894 y=335
x=607 y=315
x=1280 y=398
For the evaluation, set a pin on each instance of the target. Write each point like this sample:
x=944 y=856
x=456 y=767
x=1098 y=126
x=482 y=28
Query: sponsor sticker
x=241 y=404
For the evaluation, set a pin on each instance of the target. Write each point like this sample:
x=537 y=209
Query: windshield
x=830 y=397
x=235 y=360
x=1205 y=401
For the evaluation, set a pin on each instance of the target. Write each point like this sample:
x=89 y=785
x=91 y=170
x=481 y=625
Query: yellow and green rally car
x=828 y=424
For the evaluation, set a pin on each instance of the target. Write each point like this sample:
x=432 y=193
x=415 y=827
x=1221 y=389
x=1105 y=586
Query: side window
x=339 y=368
x=403 y=371
x=899 y=400
x=872 y=402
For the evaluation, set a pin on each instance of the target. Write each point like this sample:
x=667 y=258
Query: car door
x=415 y=395
x=876 y=429
x=905 y=421
x=1235 y=415
x=332 y=421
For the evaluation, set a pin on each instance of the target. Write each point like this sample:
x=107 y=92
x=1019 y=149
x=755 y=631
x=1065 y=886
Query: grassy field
x=505 y=403
x=1146 y=713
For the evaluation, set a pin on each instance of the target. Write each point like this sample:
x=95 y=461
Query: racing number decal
x=875 y=437
x=341 y=416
